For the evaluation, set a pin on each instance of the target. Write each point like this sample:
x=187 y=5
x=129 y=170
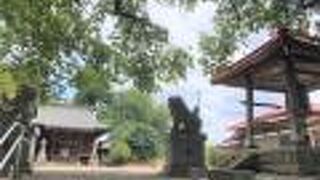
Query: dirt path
x=67 y=172
x=91 y=176
x=129 y=169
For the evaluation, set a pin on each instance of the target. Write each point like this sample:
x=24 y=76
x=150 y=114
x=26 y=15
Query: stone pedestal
x=186 y=154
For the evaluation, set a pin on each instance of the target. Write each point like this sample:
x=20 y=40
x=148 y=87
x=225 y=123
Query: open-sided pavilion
x=287 y=63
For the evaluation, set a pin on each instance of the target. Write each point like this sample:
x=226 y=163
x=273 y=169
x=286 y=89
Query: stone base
x=178 y=171
x=225 y=174
x=305 y=161
x=220 y=174
x=184 y=171
x=264 y=176
x=186 y=153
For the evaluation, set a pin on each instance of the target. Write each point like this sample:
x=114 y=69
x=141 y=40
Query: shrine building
x=66 y=133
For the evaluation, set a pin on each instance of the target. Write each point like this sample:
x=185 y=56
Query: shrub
x=120 y=153
x=145 y=143
x=138 y=120
x=216 y=157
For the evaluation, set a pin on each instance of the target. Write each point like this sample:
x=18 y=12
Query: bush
x=216 y=157
x=136 y=119
x=120 y=153
x=210 y=158
x=144 y=143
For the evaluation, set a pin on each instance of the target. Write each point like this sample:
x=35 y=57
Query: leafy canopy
x=138 y=122
x=47 y=42
x=52 y=43
x=235 y=20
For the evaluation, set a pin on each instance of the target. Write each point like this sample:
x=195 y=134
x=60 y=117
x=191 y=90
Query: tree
x=48 y=42
x=136 y=121
x=235 y=20
x=7 y=83
x=54 y=39
x=95 y=82
x=93 y=85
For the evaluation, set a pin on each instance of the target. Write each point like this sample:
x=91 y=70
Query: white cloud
x=184 y=26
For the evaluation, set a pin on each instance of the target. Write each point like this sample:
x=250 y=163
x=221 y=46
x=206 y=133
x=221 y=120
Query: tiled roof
x=67 y=116
x=265 y=64
x=222 y=73
x=273 y=116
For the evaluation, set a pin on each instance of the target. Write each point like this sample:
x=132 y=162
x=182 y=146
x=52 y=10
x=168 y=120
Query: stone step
x=265 y=176
x=223 y=174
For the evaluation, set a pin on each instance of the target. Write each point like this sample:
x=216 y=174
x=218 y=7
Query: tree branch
x=308 y=4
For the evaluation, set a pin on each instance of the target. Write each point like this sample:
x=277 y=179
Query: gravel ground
x=88 y=176
x=66 y=172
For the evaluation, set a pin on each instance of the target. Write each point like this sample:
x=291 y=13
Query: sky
x=219 y=106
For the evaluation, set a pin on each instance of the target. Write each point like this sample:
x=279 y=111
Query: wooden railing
x=8 y=132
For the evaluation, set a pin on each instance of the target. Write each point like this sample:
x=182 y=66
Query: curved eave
x=223 y=75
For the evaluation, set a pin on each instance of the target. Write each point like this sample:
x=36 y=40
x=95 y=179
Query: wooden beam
x=270 y=85
x=308 y=72
x=249 y=111
x=304 y=58
x=296 y=100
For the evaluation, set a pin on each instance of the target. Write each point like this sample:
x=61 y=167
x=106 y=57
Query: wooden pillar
x=249 y=111
x=297 y=102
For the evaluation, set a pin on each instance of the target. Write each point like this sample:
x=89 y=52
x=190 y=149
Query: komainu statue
x=186 y=141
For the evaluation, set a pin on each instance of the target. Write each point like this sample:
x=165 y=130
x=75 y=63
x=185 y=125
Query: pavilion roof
x=266 y=64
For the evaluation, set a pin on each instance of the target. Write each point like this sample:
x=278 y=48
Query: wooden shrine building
x=289 y=64
x=65 y=133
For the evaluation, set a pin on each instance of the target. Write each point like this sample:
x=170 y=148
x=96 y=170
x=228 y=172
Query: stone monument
x=186 y=152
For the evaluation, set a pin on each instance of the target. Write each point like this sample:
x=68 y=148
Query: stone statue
x=186 y=141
